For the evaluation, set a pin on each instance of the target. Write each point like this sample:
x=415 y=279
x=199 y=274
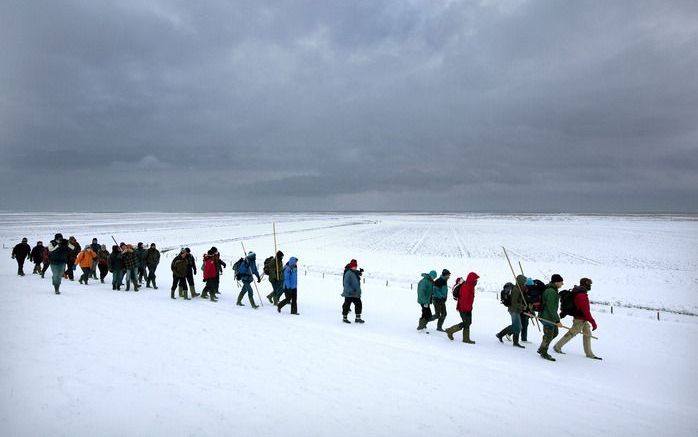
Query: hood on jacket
x=292 y=262
x=521 y=280
x=472 y=278
x=432 y=275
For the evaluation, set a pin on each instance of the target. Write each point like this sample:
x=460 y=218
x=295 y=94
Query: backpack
x=236 y=268
x=269 y=266
x=535 y=294
x=567 y=306
x=456 y=291
x=505 y=294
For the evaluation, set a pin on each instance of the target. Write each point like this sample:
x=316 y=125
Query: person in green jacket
x=425 y=289
x=549 y=315
x=516 y=307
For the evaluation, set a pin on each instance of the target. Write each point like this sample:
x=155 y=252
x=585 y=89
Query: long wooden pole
x=276 y=258
x=523 y=297
x=562 y=326
x=255 y=284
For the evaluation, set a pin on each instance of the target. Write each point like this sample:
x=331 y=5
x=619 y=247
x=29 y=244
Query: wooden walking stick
x=562 y=326
x=255 y=284
x=523 y=297
x=276 y=258
x=521 y=267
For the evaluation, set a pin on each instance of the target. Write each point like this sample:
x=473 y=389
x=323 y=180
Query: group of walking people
x=525 y=299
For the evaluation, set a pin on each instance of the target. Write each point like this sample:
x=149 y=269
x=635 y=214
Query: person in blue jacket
x=351 y=282
x=290 y=286
x=245 y=273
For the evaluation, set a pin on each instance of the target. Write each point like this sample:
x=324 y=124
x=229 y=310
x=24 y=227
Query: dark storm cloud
x=454 y=105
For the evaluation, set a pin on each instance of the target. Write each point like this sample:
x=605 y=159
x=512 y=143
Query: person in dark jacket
x=276 y=278
x=103 y=262
x=534 y=291
x=192 y=272
x=180 y=269
x=116 y=267
x=37 y=257
x=351 y=281
x=47 y=263
x=130 y=260
x=425 y=290
x=465 y=295
x=59 y=252
x=550 y=302
x=141 y=254
x=290 y=286
x=152 y=259
x=582 y=319
x=95 y=246
x=439 y=296
x=72 y=256
x=246 y=271
x=516 y=307
x=20 y=253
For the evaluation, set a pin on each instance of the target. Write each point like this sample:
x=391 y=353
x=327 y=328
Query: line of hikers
x=523 y=299
x=132 y=265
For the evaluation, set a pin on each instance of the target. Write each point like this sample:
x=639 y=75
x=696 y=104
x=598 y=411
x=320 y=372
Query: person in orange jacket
x=84 y=260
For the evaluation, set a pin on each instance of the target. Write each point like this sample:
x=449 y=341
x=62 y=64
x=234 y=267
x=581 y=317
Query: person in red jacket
x=464 y=293
x=210 y=276
x=582 y=319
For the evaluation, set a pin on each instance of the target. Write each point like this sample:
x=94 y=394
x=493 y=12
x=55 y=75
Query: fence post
x=386 y=283
x=411 y=286
x=323 y=276
x=611 y=309
x=657 y=315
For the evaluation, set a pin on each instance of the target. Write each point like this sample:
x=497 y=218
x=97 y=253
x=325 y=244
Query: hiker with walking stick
x=549 y=304
x=515 y=304
x=274 y=269
x=576 y=303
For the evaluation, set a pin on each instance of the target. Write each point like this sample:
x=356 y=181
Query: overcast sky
x=570 y=106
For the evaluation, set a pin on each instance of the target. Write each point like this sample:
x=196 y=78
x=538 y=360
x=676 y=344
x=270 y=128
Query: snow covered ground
x=97 y=362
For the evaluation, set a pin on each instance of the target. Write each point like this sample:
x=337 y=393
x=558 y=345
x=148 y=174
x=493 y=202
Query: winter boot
x=193 y=292
x=358 y=319
x=55 y=289
x=345 y=320
x=185 y=294
x=269 y=298
x=213 y=297
x=172 y=294
x=147 y=283
x=204 y=294
x=422 y=324
x=516 y=342
x=155 y=287
x=254 y=305
x=440 y=325
x=452 y=330
x=546 y=356
x=466 y=336
x=128 y=285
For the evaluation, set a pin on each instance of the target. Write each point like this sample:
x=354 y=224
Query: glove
x=593 y=327
x=13 y=257
x=259 y=280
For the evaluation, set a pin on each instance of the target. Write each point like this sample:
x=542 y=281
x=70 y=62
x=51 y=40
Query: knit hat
x=279 y=254
x=445 y=272
x=353 y=264
x=58 y=236
x=24 y=240
x=556 y=278
x=585 y=283
x=152 y=245
x=433 y=274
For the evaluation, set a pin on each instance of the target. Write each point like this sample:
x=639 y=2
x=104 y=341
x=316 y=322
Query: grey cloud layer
x=502 y=106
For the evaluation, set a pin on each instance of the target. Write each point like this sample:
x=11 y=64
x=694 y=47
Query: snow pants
x=358 y=306
x=578 y=327
x=291 y=295
x=549 y=334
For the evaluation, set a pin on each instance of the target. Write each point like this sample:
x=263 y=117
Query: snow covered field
x=97 y=362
